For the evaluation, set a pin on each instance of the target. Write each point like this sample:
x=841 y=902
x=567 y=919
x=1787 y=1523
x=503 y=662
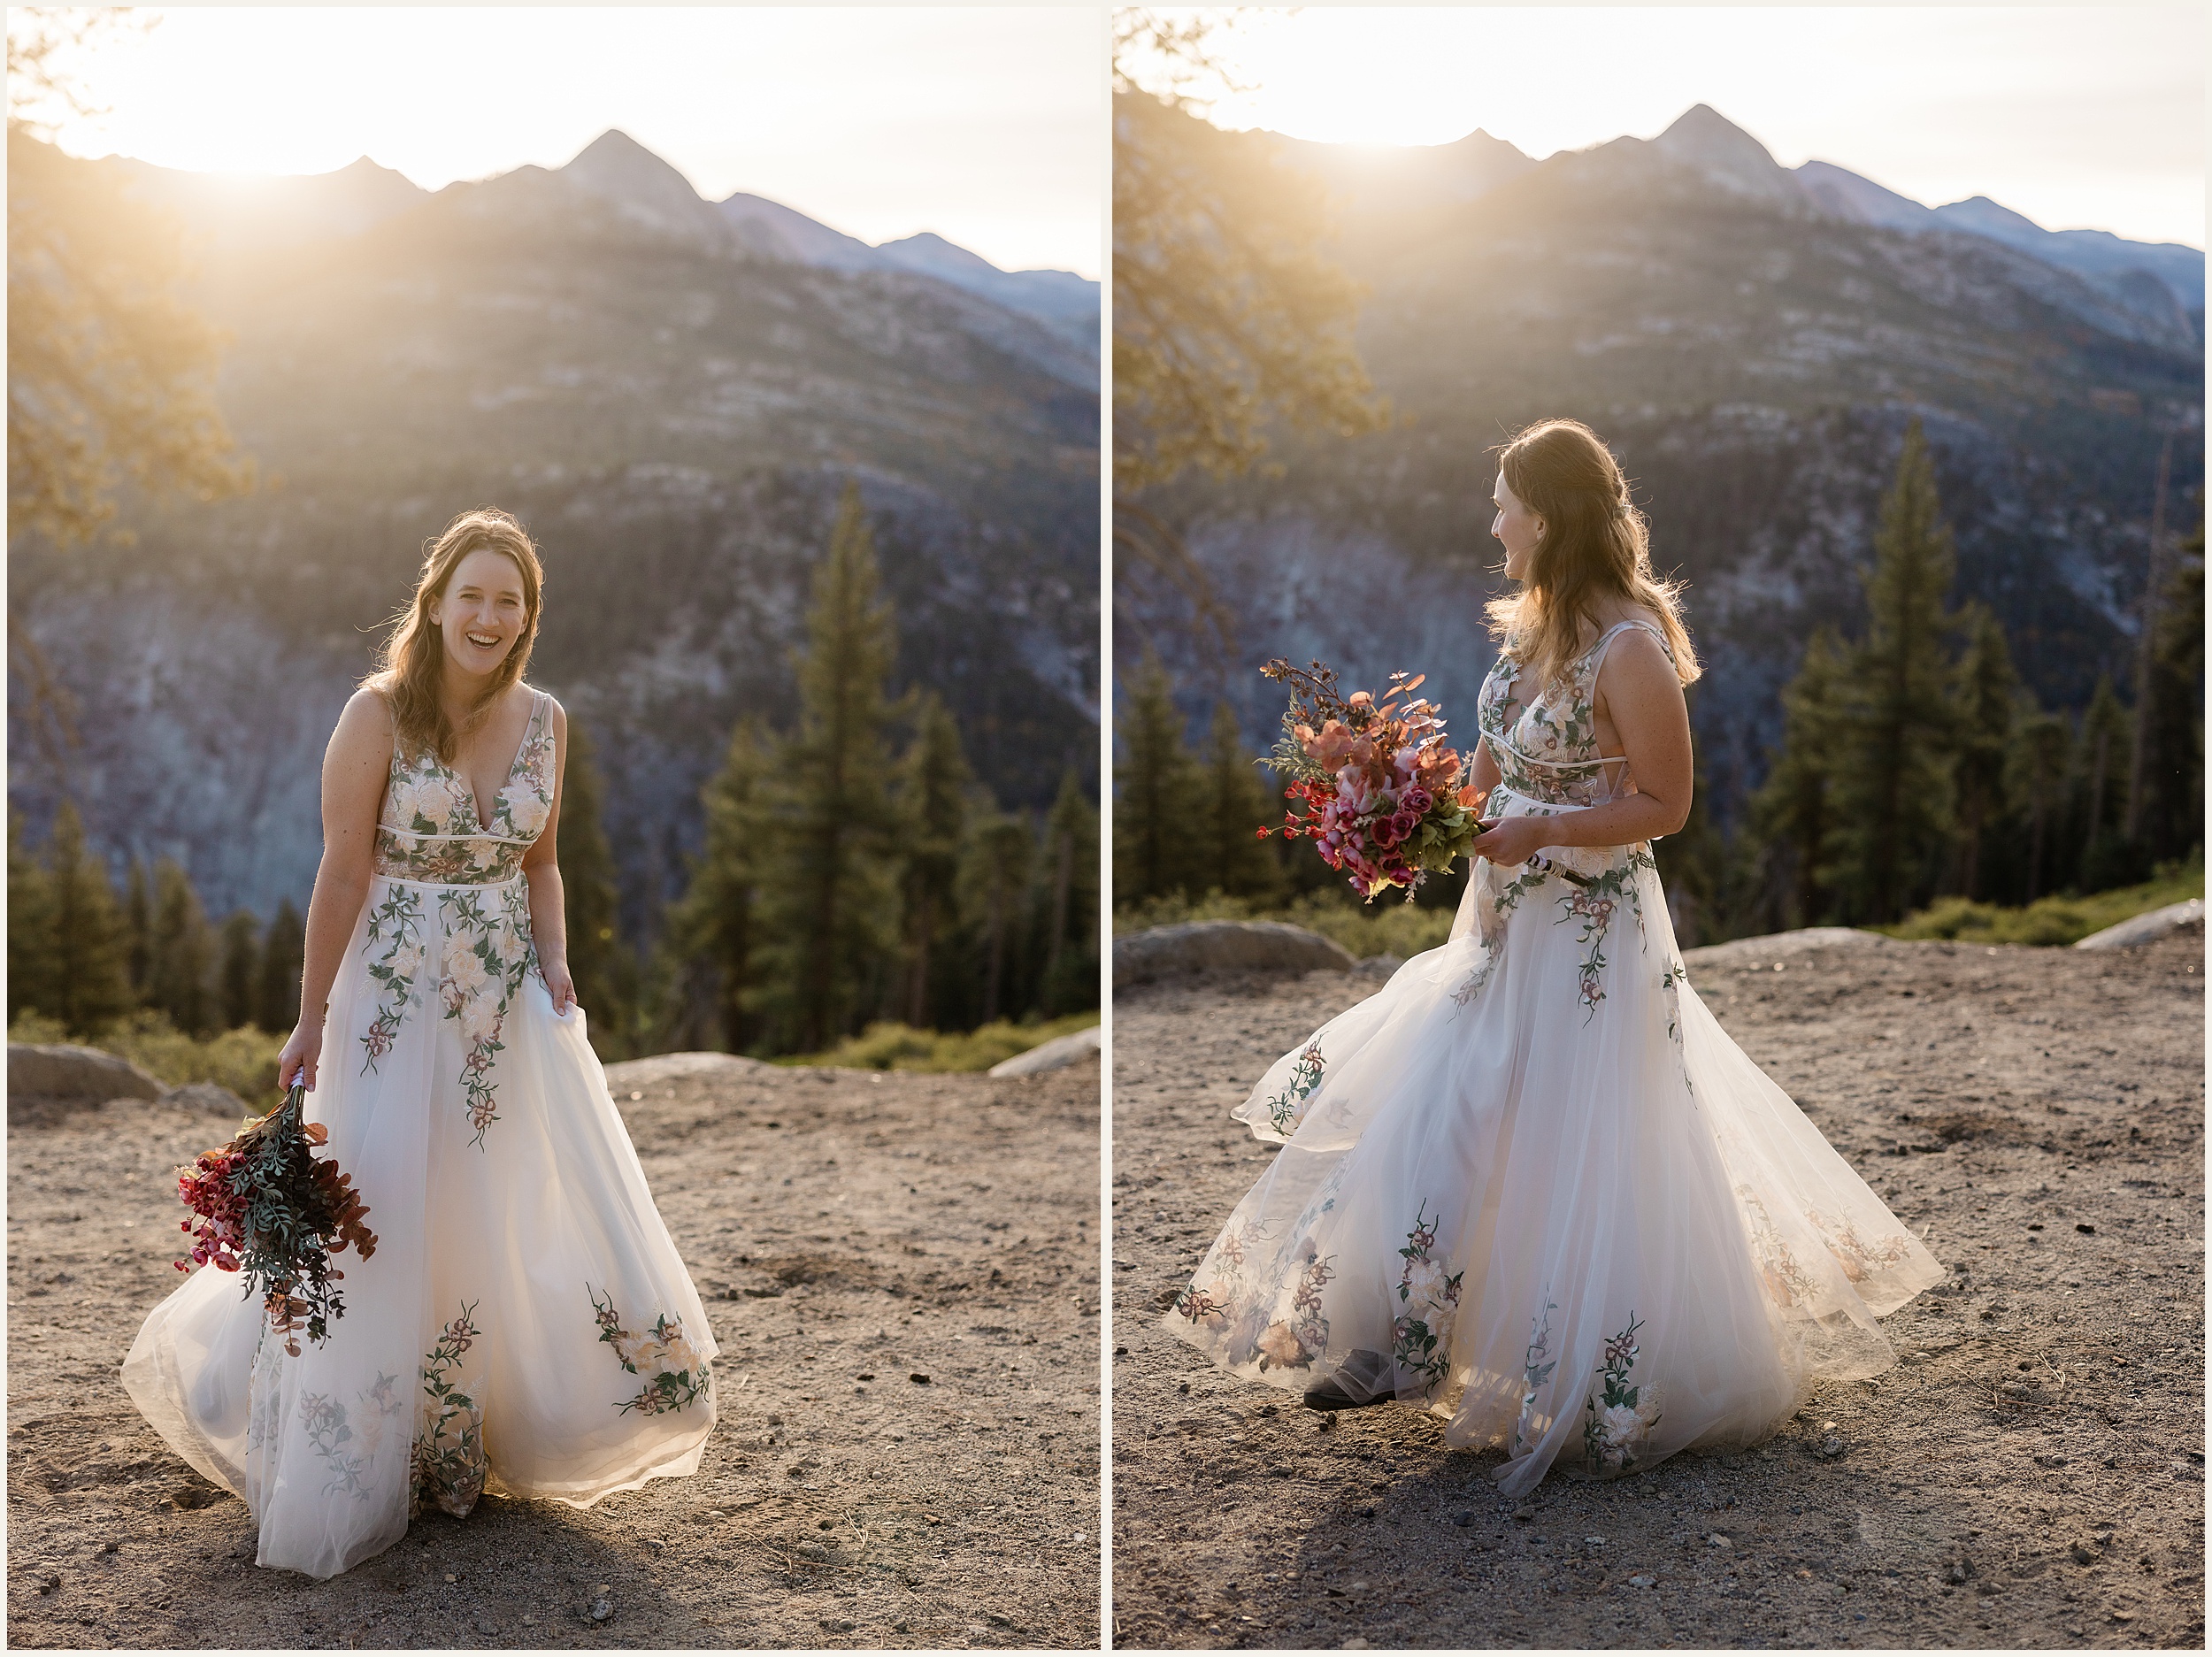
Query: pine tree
x=181 y=956
x=2173 y=771
x=604 y=971
x=1235 y=804
x=2035 y=777
x=2106 y=731
x=1988 y=698
x=827 y=912
x=1071 y=855
x=283 y=951
x=239 y=976
x=1896 y=742
x=1157 y=791
x=713 y=932
x=934 y=786
x=139 y=913
x=1794 y=815
x=80 y=972
x=30 y=920
x=994 y=886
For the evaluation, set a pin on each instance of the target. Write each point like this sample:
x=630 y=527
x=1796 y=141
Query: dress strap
x=1598 y=651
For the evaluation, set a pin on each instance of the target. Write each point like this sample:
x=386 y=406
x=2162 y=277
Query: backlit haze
x=982 y=124
x=2080 y=117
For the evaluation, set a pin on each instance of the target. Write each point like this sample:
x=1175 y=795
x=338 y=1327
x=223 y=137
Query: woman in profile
x=524 y=1323
x=1531 y=1185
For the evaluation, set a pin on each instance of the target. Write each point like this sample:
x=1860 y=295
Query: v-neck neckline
x=476 y=809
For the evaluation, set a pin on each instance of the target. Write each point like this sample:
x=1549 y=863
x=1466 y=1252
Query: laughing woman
x=1531 y=1185
x=524 y=1324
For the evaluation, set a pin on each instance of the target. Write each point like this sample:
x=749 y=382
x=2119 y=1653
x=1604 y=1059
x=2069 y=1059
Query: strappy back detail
x=1549 y=753
x=430 y=830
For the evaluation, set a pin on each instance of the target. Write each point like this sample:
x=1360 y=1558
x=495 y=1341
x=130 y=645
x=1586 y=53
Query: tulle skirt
x=1533 y=1187
x=524 y=1324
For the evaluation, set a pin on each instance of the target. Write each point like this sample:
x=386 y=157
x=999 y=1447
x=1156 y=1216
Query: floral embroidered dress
x=1532 y=1186
x=526 y=1325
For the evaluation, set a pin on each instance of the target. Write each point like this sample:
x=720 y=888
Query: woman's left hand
x=560 y=986
x=1511 y=842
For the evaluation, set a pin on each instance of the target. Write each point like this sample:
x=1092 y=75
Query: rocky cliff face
x=673 y=408
x=1754 y=359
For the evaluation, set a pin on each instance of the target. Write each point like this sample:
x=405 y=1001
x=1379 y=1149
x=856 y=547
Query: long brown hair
x=1596 y=543
x=412 y=666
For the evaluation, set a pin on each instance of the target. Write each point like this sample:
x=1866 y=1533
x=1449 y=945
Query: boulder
x=1246 y=945
x=1057 y=1053
x=634 y=1076
x=212 y=1097
x=1777 y=945
x=2146 y=928
x=83 y=1074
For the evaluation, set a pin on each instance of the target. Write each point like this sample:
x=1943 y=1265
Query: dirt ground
x=852 y=1233
x=2031 y=1473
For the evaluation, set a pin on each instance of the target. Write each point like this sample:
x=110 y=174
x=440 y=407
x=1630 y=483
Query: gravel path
x=852 y=1233
x=2031 y=1475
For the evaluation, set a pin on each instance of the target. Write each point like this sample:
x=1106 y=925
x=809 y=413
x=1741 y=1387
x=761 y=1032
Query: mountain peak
x=1703 y=136
x=616 y=168
x=1703 y=139
x=616 y=165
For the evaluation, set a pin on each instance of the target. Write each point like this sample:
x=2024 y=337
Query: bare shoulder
x=1638 y=665
x=360 y=751
x=365 y=723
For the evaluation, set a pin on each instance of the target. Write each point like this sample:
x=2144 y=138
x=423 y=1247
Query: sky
x=2081 y=118
x=984 y=124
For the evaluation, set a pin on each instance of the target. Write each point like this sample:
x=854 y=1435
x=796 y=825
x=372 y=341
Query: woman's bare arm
x=355 y=768
x=541 y=865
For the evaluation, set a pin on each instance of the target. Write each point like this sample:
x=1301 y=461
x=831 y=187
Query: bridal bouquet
x=1379 y=788
x=266 y=1206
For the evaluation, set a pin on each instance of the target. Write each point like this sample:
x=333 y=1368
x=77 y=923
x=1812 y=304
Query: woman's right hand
x=298 y=1061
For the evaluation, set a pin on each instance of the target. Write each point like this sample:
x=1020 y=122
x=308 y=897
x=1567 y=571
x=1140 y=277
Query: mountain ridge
x=644 y=188
x=1728 y=158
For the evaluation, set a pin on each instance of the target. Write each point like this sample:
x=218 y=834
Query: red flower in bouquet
x=265 y=1206
x=1373 y=785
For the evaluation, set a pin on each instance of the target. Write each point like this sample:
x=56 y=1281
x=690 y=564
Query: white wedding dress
x=1532 y=1186
x=524 y=1324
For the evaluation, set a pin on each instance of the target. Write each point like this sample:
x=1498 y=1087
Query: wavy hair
x=1596 y=544
x=412 y=666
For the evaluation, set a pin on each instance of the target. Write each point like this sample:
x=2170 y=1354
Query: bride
x=524 y=1324
x=1531 y=1185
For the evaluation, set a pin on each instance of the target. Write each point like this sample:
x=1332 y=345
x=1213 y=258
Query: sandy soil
x=2031 y=1475
x=852 y=1233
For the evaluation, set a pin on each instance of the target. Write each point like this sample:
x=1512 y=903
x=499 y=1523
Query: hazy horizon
x=984 y=126
x=2077 y=117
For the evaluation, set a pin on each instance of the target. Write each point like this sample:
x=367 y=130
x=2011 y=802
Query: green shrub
x=243 y=1059
x=1389 y=925
x=897 y=1047
x=2054 y=921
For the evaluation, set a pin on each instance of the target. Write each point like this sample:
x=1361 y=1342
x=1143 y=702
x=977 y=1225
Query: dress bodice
x=1548 y=752
x=427 y=828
